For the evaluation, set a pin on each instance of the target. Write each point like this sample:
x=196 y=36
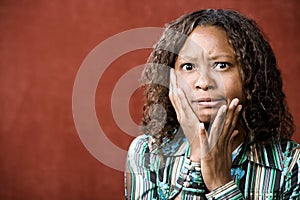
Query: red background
x=42 y=45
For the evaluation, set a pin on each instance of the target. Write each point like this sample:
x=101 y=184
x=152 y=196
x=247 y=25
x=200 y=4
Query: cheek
x=233 y=89
x=185 y=82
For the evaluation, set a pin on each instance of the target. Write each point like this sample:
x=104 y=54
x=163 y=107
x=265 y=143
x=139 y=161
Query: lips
x=210 y=102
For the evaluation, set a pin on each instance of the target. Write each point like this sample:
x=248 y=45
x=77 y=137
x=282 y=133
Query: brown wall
x=42 y=45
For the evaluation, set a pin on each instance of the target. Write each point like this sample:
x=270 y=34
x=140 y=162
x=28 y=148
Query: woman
x=216 y=123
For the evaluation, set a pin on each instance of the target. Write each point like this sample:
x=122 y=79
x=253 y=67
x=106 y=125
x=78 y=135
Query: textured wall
x=42 y=45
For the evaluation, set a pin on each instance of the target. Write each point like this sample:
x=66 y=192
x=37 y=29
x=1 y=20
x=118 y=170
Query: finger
x=189 y=118
x=180 y=103
x=172 y=84
x=217 y=126
x=233 y=130
x=184 y=102
x=178 y=84
x=173 y=95
x=230 y=121
x=180 y=95
x=203 y=138
x=186 y=87
x=173 y=80
x=185 y=114
x=234 y=119
x=231 y=108
x=231 y=140
x=171 y=88
x=176 y=104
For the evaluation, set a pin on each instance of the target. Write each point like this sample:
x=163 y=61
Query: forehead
x=206 y=40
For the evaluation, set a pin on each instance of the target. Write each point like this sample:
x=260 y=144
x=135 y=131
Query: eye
x=221 y=66
x=187 y=66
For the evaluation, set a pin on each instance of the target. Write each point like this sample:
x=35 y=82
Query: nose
x=202 y=82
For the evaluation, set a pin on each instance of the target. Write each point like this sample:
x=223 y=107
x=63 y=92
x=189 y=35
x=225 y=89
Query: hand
x=185 y=114
x=214 y=149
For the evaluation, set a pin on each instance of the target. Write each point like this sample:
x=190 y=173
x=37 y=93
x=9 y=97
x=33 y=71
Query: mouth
x=210 y=102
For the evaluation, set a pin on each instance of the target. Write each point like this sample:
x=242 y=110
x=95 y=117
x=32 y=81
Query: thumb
x=204 y=145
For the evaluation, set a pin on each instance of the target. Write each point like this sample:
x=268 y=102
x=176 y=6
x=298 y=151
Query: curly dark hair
x=265 y=113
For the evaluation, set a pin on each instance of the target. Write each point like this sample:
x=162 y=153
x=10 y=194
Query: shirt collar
x=175 y=147
x=273 y=154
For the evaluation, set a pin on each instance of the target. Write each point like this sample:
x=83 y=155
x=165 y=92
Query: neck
x=240 y=138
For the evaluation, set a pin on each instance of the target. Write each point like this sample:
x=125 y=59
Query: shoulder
x=291 y=157
x=288 y=149
x=138 y=156
x=291 y=149
x=139 y=145
x=291 y=164
x=282 y=147
x=290 y=145
x=277 y=154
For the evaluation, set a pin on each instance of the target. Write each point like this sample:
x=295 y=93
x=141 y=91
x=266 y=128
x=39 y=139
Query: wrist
x=195 y=154
x=219 y=183
x=190 y=179
x=195 y=159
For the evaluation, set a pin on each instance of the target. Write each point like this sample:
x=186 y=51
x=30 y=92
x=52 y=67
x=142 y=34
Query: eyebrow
x=186 y=57
x=215 y=57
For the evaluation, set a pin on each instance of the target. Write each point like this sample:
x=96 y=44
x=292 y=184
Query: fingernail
x=235 y=132
x=224 y=107
x=202 y=126
x=239 y=108
x=236 y=101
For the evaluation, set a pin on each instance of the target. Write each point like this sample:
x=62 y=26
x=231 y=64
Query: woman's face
x=208 y=72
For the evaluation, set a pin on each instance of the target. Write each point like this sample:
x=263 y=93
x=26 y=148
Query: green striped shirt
x=152 y=175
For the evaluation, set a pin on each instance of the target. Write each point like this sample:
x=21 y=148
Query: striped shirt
x=153 y=175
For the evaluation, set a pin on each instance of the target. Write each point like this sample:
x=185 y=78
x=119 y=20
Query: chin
x=206 y=118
